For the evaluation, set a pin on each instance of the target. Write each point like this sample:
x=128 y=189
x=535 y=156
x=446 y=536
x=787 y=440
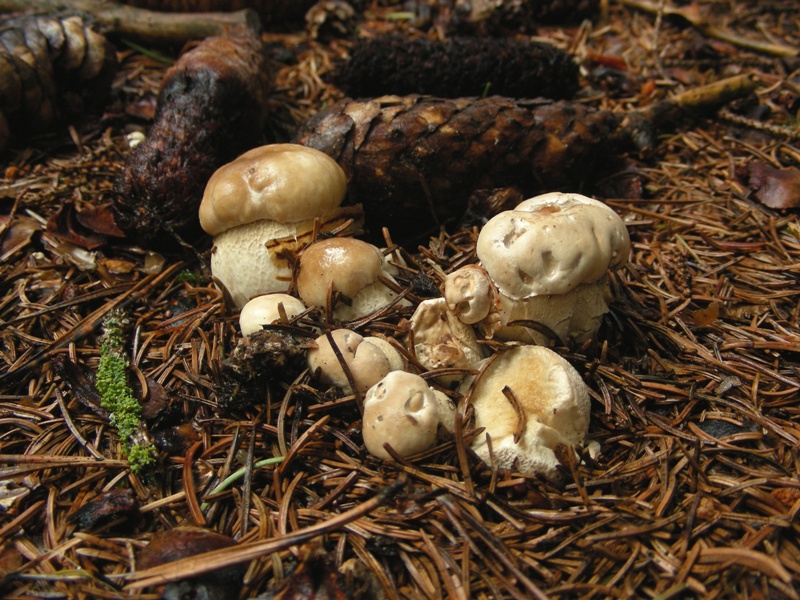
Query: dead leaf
x=17 y=232
x=776 y=188
x=706 y=316
x=109 y=505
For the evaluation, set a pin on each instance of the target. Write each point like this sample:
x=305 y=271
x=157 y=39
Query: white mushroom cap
x=551 y=394
x=442 y=341
x=552 y=243
x=286 y=183
x=367 y=361
x=403 y=411
x=353 y=268
x=264 y=310
x=470 y=293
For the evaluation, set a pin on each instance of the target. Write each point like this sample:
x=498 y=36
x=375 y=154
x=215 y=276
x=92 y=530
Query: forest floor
x=694 y=378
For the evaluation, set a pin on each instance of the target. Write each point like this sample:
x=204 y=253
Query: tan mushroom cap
x=366 y=361
x=352 y=267
x=277 y=182
x=469 y=293
x=552 y=243
x=552 y=396
x=405 y=412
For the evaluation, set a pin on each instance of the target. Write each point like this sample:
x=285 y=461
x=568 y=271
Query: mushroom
x=353 y=269
x=442 y=341
x=266 y=309
x=548 y=259
x=262 y=207
x=402 y=410
x=552 y=409
x=368 y=359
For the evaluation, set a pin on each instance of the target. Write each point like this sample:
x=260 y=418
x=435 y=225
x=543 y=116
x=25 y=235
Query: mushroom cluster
x=264 y=206
x=543 y=265
x=542 y=276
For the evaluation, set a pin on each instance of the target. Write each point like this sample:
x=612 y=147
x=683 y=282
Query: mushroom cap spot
x=347 y=263
x=276 y=182
x=367 y=362
x=550 y=392
x=468 y=292
x=403 y=411
x=263 y=310
x=550 y=244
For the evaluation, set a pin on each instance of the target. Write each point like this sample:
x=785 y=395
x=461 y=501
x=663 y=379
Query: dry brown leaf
x=776 y=188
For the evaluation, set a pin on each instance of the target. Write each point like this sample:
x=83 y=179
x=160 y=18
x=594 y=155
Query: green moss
x=116 y=395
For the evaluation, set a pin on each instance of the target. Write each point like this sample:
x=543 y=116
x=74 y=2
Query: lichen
x=117 y=397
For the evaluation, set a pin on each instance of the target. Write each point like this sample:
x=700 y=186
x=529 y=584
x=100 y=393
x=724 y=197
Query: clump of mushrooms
x=403 y=411
x=262 y=207
x=545 y=263
x=530 y=400
x=350 y=271
x=367 y=359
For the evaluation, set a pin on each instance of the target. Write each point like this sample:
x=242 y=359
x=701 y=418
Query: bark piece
x=211 y=108
x=464 y=66
x=414 y=161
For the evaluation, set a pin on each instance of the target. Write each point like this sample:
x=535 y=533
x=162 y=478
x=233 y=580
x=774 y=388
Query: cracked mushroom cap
x=367 y=361
x=402 y=410
x=352 y=267
x=552 y=243
x=469 y=293
x=266 y=310
x=550 y=394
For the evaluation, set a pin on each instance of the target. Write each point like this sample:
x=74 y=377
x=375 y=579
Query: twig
x=141 y=25
x=696 y=20
x=211 y=561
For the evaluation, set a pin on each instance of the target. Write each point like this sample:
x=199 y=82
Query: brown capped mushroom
x=261 y=207
x=353 y=269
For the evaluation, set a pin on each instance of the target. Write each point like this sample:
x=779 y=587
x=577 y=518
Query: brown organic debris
x=686 y=487
x=211 y=108
x=414 y=161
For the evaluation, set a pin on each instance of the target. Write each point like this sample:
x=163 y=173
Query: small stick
x=144 y=26
x=218 y=559
x=696 y=20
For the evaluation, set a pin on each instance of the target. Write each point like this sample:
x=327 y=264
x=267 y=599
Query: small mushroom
x=368 y=359
x=530 y=400
x=262 y=207
x=402 y=410
x=548 y=259
x=442 y=341
x=353 y=269
x=266 y=310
